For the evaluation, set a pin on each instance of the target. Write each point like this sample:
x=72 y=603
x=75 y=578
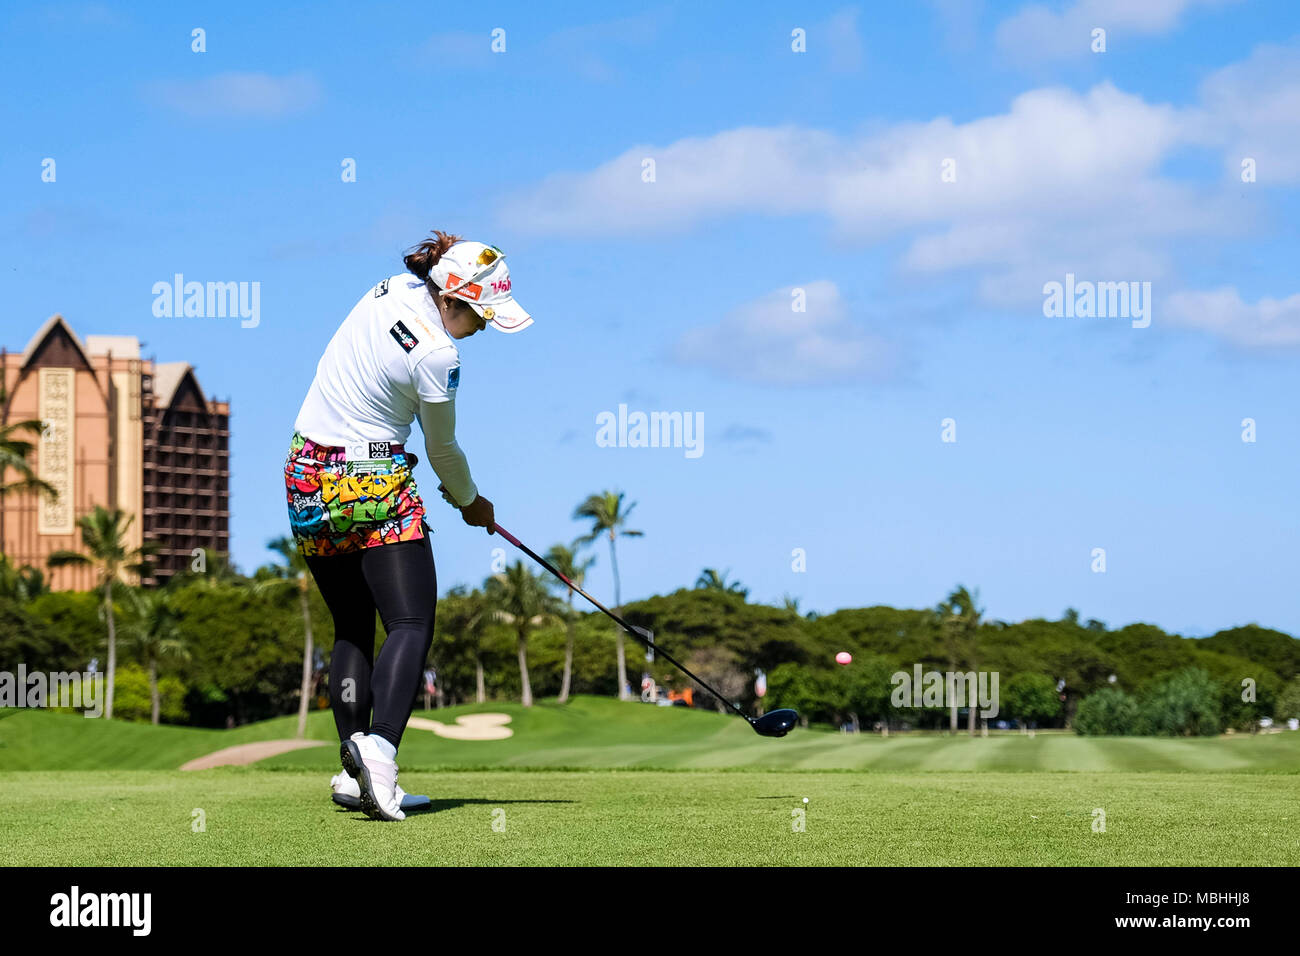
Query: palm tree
x=607 y=516
x=103 y=534
x=711 y=580
x=960 y=620
x=293 y=574
x=14 y=452
x=152 y=630
x=461 y=616
x=565 y=559
x=519 y=598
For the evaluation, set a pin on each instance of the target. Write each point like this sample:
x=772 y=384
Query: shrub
x=131 y=699
x=1288 y=702
x=1108 y=712
x=1187 y=704
x=1030 y=697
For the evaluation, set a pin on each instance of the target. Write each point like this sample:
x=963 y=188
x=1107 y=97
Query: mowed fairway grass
x=603 y=783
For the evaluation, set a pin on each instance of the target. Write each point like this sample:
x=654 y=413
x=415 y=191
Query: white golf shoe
x=346 y=792
x=375 y=775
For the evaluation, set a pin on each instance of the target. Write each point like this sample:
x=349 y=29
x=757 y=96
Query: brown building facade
x=118 y=431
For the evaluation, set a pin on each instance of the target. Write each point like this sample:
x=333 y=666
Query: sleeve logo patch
x=404 y=337
x=381 y=289
x=453 y=378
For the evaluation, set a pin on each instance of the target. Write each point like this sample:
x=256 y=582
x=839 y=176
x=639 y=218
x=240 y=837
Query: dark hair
x=425 y=256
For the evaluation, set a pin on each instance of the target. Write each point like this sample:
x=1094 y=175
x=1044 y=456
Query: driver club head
x=775 y=723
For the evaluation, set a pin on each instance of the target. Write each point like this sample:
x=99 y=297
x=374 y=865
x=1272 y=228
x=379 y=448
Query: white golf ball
x=805 y=799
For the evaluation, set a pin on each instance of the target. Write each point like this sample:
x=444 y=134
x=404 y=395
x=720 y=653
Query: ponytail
x=425 y=256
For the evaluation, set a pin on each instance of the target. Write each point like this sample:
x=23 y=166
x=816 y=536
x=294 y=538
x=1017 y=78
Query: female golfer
x=353 y=505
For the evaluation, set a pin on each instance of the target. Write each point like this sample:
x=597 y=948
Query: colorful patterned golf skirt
x=339 y=504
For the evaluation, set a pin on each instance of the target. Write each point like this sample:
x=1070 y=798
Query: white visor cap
x=478 y=274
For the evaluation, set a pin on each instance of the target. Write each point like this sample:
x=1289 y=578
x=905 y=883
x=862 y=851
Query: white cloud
x=1040 y=32
x=959 y=21
x=737 y=433
x=767 y=342
x=1268 y=323
x=840 y=33
x=771 y=170
x=84 y=14
x=593 y=50
x=1062 y=181
x=1053 y=147
x=240 y=94
x=1053 y=154
x=1054 y=150
x=1252 y=108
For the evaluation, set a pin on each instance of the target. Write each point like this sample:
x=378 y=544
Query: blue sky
x=775 y=170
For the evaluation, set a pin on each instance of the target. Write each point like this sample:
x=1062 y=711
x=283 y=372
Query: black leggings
x=399 y=581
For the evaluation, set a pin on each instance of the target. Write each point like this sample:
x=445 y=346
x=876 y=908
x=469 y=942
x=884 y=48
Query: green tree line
x=216 y=647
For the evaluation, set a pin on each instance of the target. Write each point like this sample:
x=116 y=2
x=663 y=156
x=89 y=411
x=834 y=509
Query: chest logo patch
x=403 y=336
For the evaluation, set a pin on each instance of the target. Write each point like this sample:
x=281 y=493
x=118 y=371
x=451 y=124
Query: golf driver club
x=775 y=723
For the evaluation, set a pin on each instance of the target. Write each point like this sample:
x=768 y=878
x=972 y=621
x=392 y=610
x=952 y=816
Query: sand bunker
x=469 y=727
x=248 y=753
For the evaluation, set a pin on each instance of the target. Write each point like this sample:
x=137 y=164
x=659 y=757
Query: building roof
x=56 y=343
x=167 y=378
x=122 y=346
x=50 y=327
